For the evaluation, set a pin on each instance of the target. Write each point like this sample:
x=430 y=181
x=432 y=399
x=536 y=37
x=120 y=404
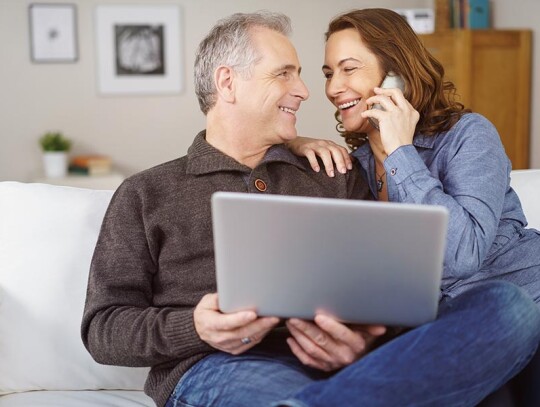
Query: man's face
x=272 y=95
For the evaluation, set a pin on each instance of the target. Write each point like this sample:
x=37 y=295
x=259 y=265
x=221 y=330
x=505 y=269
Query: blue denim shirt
x=467 y=171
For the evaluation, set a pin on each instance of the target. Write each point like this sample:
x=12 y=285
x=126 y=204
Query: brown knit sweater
x=154 y=258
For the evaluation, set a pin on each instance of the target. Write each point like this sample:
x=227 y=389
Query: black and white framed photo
x=53 y=32
x=138 y=49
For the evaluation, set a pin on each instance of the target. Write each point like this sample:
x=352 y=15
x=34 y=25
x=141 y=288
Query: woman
x=426 y=149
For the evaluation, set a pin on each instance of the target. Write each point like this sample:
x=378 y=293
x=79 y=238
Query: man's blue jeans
x=480 y=340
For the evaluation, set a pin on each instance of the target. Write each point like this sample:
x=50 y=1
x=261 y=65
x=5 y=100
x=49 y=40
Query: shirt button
x=260 y=185
x=393 y=171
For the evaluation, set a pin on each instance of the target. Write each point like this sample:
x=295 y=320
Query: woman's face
x=351 y=71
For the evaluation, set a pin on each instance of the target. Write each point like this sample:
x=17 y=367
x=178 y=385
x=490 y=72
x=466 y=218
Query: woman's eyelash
x=328 y=75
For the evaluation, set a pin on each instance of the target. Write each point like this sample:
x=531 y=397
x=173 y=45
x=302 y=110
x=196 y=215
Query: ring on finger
x=246 y=340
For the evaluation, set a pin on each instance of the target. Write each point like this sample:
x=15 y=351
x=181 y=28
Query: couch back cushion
x=47 y=238
x=527 y=185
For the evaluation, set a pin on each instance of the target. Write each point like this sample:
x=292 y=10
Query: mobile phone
x=391 y=80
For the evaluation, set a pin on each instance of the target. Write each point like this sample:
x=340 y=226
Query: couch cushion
x=527 y=185
x=104 y=398
x=47 y=237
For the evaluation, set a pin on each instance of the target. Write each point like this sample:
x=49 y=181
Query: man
x=151 y=295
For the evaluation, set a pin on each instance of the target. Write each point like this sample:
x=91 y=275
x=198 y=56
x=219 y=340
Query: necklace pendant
x=380 y=184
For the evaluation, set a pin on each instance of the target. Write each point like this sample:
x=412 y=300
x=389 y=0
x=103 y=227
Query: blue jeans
x=480 y=340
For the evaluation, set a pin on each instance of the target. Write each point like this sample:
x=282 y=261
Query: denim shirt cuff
x=402 y=163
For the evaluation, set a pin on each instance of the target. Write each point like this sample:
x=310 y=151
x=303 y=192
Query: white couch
x=47 y=236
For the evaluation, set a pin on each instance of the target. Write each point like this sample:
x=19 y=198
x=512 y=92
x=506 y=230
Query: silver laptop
x=359 y=261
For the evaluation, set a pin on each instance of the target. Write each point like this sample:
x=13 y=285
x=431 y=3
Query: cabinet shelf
x=492 y=73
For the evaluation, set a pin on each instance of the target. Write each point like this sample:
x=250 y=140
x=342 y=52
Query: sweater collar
x=364 y=151
x=204 y=158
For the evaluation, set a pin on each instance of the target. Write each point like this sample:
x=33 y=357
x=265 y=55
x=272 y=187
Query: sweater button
x=260 y=185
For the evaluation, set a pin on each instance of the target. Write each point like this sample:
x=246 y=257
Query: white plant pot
x=55 y=164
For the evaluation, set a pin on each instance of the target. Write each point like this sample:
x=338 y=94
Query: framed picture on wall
x=53 y=32
x=138 y=49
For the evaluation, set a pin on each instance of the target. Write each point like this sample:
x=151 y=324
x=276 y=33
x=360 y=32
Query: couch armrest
x=527 y=185
x=47 y=238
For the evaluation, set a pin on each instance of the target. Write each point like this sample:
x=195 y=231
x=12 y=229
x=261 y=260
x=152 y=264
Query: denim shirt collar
x=365 y=157
x=364 y=153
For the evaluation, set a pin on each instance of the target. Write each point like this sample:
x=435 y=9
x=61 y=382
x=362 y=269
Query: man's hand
x=233 y=333
x=327 y=344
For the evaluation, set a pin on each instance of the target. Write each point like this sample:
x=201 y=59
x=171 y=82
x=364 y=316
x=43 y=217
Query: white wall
x=139 y=132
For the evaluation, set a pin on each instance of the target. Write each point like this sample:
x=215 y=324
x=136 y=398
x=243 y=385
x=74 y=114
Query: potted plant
x=55 y=147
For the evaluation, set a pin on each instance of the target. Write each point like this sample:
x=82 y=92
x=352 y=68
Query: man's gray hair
x=229 y=44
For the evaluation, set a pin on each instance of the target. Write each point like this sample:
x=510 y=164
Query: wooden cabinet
x=492 y=73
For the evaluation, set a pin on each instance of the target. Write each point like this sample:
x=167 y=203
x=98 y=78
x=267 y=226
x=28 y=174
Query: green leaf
x=54 y=141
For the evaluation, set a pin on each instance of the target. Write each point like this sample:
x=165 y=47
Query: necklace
x=380 y=182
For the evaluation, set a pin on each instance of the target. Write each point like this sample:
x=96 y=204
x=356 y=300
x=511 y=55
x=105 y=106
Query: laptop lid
x=360 y=261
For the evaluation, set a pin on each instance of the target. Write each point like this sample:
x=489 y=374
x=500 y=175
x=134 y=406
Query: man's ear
x=224 y=79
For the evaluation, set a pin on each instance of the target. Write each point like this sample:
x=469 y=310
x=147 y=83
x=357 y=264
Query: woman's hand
x=397 y=122
x=233 y=333
x=329 y=152
x=327 y=344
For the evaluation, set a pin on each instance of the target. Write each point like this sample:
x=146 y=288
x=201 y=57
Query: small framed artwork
x=138 y=49
x=53 y=32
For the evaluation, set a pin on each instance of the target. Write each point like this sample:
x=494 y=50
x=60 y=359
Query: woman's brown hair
x=388 y=35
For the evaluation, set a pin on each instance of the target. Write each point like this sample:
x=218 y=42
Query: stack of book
x=442 y=15
x=90 y=165
x=472 y=14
